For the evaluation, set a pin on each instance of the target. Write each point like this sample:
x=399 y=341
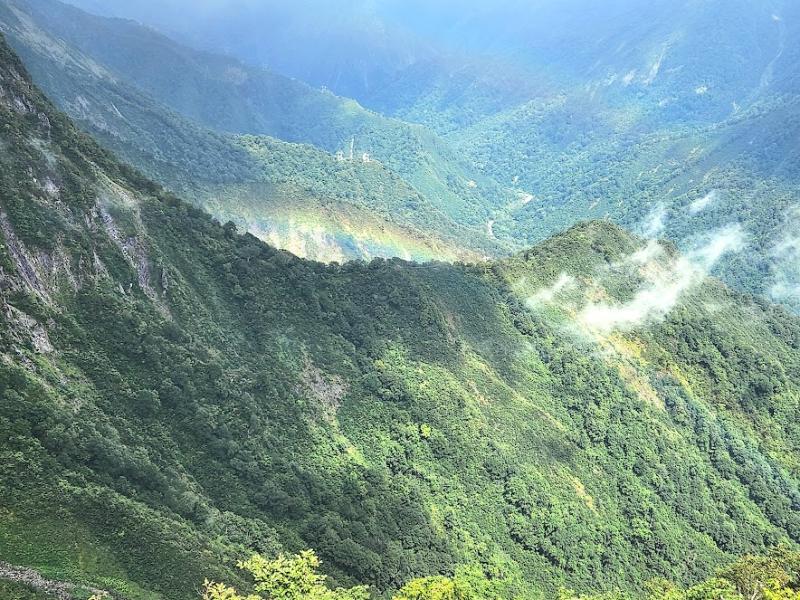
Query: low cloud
x=654 y=223
x=785 y=257
x=629 y=77
x=655 y=68
x=647 y=253
x=703 y=203
x=667 y=285
x=547 y=295
x=666 y=279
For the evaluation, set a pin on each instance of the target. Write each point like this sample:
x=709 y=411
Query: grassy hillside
x=176 y=395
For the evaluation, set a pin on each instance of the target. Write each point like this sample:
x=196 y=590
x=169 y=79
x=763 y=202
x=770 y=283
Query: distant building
x=350 y=155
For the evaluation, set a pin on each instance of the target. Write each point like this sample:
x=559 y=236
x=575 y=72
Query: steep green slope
x=296 y=196
x=175 y=395
x=685 y=179
x=653 y=124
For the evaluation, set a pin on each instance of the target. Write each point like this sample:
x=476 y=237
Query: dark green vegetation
x=13 y=591
x=174 y=396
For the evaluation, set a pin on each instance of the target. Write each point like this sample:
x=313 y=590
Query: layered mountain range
x=498 y=135
x=180 y=387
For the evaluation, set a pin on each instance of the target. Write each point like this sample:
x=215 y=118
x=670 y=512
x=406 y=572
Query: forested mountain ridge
x=175 y=396
x=651 y=57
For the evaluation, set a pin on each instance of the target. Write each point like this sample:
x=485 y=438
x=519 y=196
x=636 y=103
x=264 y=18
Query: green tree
x=285 y=578
x=432 y=588
x=771 y=577
x=469 y=583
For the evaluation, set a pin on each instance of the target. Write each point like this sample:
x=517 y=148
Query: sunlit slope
x=691 y=179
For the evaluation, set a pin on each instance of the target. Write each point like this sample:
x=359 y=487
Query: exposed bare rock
x=60 y=590
x=135 y=251
x=10 y=82
x=99 y=268
x=165 y=280
x=326 y=390
x=110 y=226
x=82 y=110
x=29 y=329
x=60 y=267
x=50 y=187
x=23 y=260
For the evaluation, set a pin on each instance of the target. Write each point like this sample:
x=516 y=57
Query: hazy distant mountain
x=734 y=50
x=298 y=197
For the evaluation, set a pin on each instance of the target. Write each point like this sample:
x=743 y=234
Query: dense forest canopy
x=485 y=387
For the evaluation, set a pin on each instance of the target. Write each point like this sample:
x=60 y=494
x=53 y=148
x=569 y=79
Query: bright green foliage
x=565 y=594
x=469 y=583
x=296 y=578
x=431 y=588
x=219 y=591
x=772 y=577
x=446 y=588
x=775 y=576
x=285 y=578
